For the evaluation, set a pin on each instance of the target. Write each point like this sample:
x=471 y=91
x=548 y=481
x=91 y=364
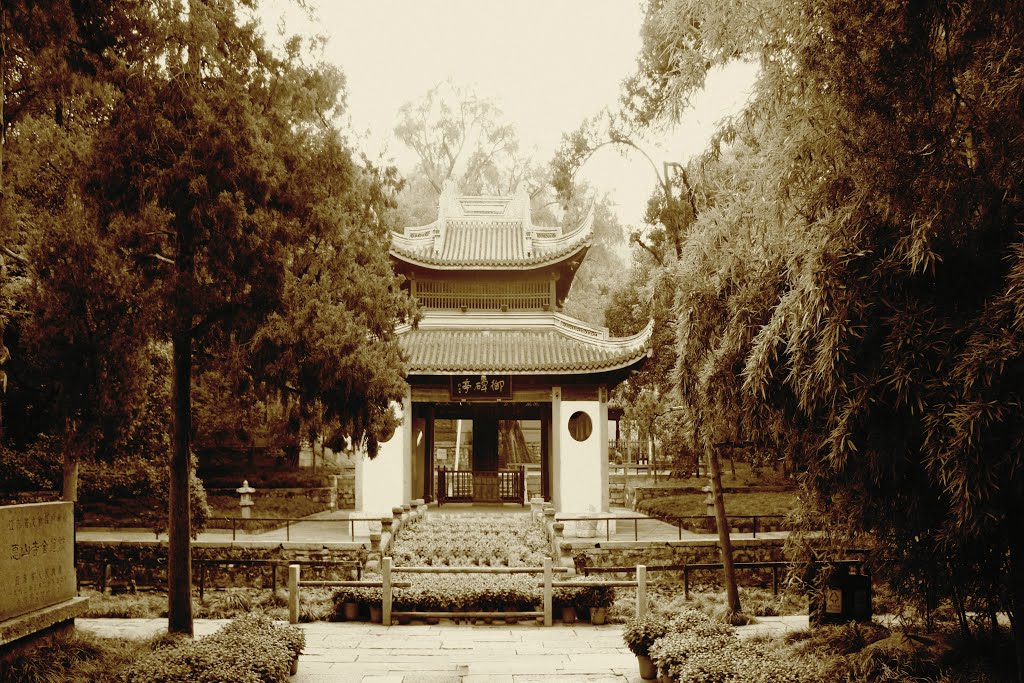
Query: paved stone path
x=449 y=653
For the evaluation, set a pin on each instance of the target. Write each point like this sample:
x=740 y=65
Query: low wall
x=144 y=563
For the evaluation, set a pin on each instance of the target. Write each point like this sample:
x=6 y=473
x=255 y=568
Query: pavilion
x=507 y=396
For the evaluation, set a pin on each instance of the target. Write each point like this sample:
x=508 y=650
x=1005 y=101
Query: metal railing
x=286 y=522
x=685 y=568
x=698 y=521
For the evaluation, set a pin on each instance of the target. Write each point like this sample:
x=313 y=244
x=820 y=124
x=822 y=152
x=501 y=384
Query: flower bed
x=472 y=540
x=697 y=649
x=249 y=649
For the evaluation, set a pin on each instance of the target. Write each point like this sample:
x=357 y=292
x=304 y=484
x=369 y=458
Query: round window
x=387 y=434
x=580 y=426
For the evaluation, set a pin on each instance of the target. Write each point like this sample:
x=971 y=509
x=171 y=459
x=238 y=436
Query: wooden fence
x=387 y=584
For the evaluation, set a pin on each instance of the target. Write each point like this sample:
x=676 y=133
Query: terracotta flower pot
x=568 y=615
x=351 y=611
x=376 y=614
x=647 y=670
x=295 y=666
x=598 y=615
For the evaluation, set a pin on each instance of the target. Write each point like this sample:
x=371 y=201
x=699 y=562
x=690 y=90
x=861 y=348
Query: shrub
x=640 y=633
x=598 y=596
x=450 y=593
x=250 y=649
x=690 y=634
x=842 y=639
x=743 y=662
x=38 y=467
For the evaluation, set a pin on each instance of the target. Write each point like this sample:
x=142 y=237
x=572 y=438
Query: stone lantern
x=245 y=501
x=709 y=503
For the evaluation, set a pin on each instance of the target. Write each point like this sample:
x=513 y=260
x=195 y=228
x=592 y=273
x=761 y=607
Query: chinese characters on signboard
x=470 y=387
x=37 y=563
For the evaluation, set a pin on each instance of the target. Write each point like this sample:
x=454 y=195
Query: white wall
x=582 y=486
x=381 y=483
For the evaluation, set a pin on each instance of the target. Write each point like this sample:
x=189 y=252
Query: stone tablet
x=37 y=557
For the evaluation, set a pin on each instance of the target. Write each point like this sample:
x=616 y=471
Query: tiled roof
x=487 y=233
x=517 y=351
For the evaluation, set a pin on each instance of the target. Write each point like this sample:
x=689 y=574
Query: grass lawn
x=265 y=506
x=736 y=504
x=78 y=657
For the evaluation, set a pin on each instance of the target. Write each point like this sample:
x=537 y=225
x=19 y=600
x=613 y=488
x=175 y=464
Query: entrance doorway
x=485 y=452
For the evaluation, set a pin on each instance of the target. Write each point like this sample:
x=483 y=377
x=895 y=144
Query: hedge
x=474 y=593
x=250 y=649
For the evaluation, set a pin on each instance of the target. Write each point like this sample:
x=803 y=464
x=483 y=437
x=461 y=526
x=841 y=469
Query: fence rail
x=387 y=584
x=287 y=522
x=680 y=523
x=204 y=564
x=776 y=567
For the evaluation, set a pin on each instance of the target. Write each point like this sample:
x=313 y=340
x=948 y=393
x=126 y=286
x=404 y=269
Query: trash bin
x=844 y=597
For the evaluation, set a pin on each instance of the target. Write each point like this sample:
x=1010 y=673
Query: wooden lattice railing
x=465 y=486
x=529 y=295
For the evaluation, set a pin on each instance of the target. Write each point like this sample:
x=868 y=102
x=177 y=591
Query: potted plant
x=597 y=600
x=639 y=633
x=565 y=599
x=347 y=604
x=370 y=600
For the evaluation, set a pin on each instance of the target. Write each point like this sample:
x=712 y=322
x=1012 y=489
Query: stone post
x=374 y=542
x=419 y=508
x=293 y=593
x=557 y=535
x=245 y=501
x=396 y=513
x=385 y=525
x=334 y=492
x=536 y=507
x=406 y=512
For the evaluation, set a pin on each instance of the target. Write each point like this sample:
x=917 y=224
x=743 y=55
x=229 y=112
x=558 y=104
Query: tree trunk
x=652 y=461
x=3 y=97
x=179 y=513
x=179 y=542
x=69 y=487
x=724 y=539
x=1017 y=596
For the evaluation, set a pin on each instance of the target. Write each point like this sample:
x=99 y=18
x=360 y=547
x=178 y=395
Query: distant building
x=500 y=381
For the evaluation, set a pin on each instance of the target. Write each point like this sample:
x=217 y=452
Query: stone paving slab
x=450 y=653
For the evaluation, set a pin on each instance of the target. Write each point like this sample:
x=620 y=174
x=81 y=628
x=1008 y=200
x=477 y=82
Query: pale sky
x=549 y=64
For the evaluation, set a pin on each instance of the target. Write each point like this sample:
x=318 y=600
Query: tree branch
x=14 y=255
